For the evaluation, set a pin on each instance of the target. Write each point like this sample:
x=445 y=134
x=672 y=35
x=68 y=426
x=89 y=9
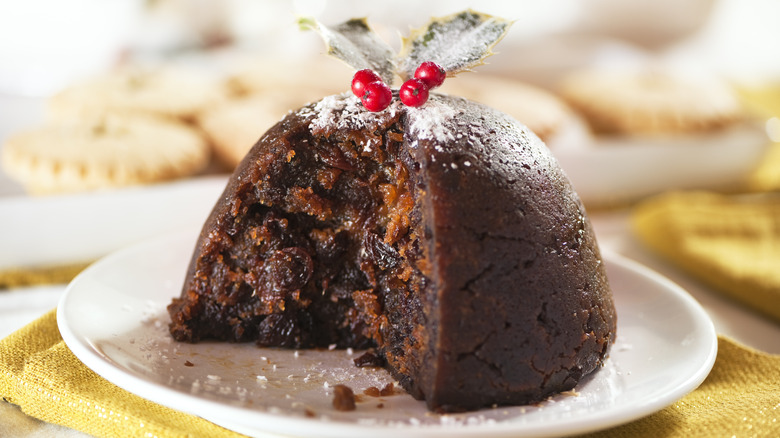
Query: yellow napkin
x=766 y=177
x=740 y=398
x=763 y=102
x=730 y=242
x=39 y=374
x=60 y=274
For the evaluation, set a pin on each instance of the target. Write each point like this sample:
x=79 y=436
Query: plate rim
x=102 y=365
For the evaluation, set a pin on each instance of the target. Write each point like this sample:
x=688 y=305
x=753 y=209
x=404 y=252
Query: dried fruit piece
x=343 y=398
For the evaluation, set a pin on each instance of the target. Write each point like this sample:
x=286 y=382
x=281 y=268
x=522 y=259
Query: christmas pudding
x=436 y=231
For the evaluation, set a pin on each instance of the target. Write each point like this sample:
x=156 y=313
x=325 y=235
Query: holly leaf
x=456 y=42
x=356 y=44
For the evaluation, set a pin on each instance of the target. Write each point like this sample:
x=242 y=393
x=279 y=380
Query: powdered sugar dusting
x=345 y=111
x=446 y=122
x=433 y=121
x=439 y=120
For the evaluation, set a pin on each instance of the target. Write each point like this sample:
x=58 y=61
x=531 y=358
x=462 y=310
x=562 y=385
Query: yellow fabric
x=40 y=374
x=740 y=397
x=763 y=102
x=766 y=177
x=37 y=372
x=760 y=99
x=19 y=277
x=730 y=242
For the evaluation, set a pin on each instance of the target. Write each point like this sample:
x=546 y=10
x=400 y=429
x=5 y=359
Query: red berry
x=431 y=73
x=361 y=79
x=413 y=92
x=377 y=96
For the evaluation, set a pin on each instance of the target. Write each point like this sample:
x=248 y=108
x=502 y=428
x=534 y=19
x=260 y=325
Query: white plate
x=611 y=169
x=113 y=318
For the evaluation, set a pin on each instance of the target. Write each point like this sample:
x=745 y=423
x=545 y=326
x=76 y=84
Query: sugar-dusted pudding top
x=442 y=120
x=446 y=237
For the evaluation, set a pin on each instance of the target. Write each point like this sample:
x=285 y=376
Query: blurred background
x=48 y=46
